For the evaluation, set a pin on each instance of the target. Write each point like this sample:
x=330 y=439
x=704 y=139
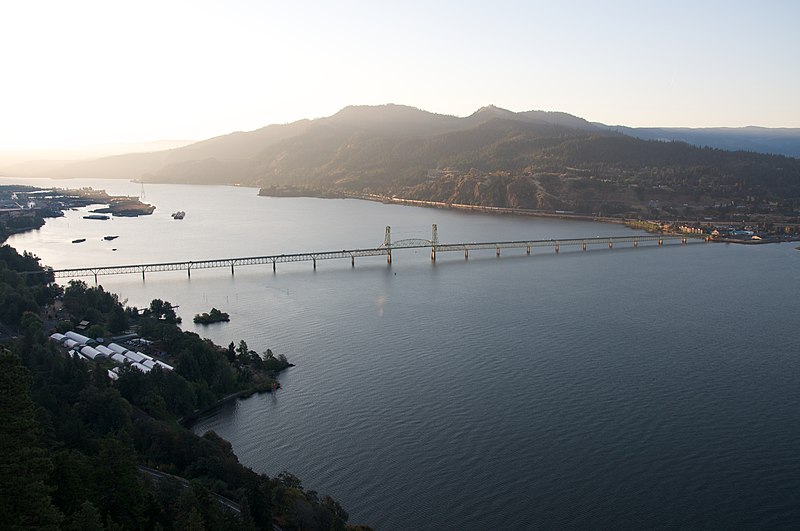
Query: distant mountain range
x=494 y=157
x=774 y=141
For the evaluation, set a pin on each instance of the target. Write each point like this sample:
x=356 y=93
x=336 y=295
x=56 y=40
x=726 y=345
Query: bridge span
x=384 y=249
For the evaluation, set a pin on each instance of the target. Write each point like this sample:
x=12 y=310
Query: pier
x=386 y=249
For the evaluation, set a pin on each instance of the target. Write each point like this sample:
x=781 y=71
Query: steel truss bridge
x=385 y=249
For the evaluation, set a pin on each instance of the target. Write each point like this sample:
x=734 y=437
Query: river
x=629 y=388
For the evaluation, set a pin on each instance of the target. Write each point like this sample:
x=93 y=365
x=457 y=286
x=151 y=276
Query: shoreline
x=651 y=226
x=394 y=200
x=188 y=420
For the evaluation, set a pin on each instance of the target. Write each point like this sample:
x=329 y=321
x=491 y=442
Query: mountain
x=493 y=157
x=781 y=141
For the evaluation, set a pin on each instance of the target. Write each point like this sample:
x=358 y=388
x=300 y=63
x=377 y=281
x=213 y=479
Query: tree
x=25 y=466
x=118 y=492
x=30 y=325
x=162 y=310
x=117 y=320
x=86 y=519
x=95 y=331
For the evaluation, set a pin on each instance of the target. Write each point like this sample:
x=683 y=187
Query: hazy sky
x=85 y=72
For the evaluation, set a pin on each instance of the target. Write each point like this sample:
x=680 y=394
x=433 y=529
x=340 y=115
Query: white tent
x=105 y=350
x=92 y=353
x=117 y=348
x=83 y=340
x=134 y=356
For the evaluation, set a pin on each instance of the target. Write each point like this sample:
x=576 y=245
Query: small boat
x=109 y=238
x=178 y=215
x=79 y=240
x=96 y=216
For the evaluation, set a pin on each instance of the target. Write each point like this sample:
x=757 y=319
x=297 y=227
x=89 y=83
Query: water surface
x=633 y=388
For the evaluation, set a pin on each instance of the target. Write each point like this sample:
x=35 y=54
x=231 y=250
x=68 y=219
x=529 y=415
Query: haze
x=85 y=73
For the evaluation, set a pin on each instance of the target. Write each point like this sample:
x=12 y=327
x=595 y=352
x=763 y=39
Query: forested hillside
x=81 y=452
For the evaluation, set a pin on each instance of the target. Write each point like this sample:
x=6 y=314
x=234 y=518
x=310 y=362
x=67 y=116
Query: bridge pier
x=466 y=254
x=273 y=266
x=636 y=243
x=95 y=279
x=528 y=250
x=189 y=272
x=352 y=261
x=498 y=252
x=232 y=268
x=610 y=244
x=683 y=241
x=584 y=246
x=433 y=254
x=389 y=257
x=315 y=263
x=142 y=274
x=556 y=247
x=660 y=242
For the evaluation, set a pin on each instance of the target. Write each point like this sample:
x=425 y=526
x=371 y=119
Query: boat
x=96 y=216
x=109 y=238
x=79 y=240
x=178 y=215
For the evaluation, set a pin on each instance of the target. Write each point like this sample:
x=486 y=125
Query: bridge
x=385 y=249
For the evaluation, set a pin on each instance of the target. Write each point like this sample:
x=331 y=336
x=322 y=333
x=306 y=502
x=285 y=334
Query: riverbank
x=291 y=191
x=187 y=420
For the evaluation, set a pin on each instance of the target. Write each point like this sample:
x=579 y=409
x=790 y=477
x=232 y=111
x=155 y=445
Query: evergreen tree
x=25 y=466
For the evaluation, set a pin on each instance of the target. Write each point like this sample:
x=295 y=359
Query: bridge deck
x=352 y=254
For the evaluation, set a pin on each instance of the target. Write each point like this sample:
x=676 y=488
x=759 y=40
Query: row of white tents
x=87 y=348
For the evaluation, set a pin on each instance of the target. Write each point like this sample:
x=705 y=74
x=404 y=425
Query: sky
x=86 y=72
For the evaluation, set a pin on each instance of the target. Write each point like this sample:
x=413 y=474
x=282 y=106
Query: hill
x=493 y=157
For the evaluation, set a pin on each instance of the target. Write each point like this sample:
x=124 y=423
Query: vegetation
x=73 y=444
x=214 y=316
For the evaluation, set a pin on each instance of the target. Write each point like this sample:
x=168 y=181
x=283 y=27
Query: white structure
x=134 y=356
x=114 y=376
x=105 y=350
x=163 y=365
x=145 y=356
x=117 y=348
x=141 y=367
x=92 y=353
x=58 y=338
x=119 y=358
x=70 y=343
x=83 y=340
